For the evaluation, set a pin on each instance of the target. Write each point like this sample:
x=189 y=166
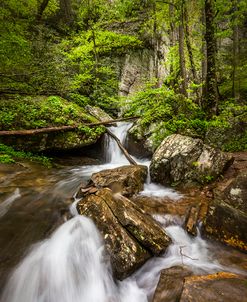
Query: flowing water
x=72 y=265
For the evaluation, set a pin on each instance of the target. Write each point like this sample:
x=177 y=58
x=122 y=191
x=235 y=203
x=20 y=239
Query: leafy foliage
x=8 y=155
x=38 y=112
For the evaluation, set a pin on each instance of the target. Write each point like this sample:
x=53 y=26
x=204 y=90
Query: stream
x=47 y=258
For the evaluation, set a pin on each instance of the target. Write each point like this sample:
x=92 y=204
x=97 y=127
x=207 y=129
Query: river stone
x=170 y=286
x=219 y=287
x=227 y=215
x=183 y=160
x=127 y=180
x=130 y=235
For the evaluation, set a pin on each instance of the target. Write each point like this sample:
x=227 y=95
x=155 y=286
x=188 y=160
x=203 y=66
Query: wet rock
x=235 y=193
x=138 y=142
x=185 y=160
x=170 y=286
x=192 y=219
x=227 y=215
x=127 y=180
x=219 y=287
x=143 y=227
x=130 y=235
x=163 y=205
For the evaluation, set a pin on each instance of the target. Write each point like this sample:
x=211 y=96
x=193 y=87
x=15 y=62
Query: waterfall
x=113 y=153
x=72 y=265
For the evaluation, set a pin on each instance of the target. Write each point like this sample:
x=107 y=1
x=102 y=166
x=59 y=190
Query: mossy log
x=61 y=128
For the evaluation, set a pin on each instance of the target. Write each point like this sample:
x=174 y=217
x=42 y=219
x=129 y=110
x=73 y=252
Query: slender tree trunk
x=155 y=43
x=172 y=39
x=235 y=55
x=189 y=48
x=204 y=58
x=41 y=9
x=211 y=98
x=181 y=51
x=66 y=11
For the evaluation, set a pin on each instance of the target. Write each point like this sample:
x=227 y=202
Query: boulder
x=143 y=227
x=139 y=141
x=98 y=113
x=127 y=180
x=219 y=287
x=131 y=237
x=184 y=160
x=170 y=286
x=226 y=219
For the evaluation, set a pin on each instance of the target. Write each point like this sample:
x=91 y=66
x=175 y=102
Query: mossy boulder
x=184 y=160
x=140 y=141
x=23 y=113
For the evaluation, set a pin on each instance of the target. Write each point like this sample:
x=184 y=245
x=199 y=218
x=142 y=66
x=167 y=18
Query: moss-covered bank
x=22 y=113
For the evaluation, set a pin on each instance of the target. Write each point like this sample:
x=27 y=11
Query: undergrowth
x=9 y=155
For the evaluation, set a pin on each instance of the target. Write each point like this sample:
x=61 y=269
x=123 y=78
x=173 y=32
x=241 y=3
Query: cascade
x=72 y=265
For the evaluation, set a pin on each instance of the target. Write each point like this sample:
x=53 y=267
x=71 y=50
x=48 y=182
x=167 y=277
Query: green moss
x=9 y=155
x=6 y=159
x=38 y=112
x=164 y=112
x=237 y=144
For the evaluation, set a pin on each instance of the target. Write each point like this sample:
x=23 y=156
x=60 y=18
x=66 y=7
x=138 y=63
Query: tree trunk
x=41 y=9
x=210 y=102
x=172 y=39
x=156 y=44
x=181 y=51
x=235 y=54
x=66 y=11
x=189 y=48
x=204 y=58
x=60 y=128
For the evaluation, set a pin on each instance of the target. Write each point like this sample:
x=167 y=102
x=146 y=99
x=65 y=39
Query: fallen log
x=125 y=152
x=61 y=128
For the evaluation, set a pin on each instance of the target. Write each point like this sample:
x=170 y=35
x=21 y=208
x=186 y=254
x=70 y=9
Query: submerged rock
x=127 y=180
x=227 y=215
x=130 y=235
x=183 y=159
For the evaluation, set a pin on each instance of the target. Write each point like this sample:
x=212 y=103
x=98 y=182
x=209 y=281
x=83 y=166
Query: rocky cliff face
x=137 y=68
